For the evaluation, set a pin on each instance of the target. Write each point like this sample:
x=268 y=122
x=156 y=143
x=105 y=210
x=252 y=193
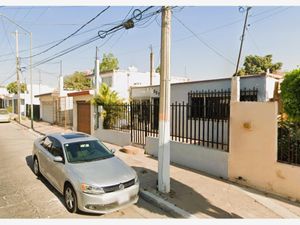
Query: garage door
x=84 y=117
x=47 y=112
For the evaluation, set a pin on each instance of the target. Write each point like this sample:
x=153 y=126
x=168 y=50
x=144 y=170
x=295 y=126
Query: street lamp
x=31 y=94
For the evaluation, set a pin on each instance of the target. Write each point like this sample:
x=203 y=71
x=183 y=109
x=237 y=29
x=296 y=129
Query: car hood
x=104 y=172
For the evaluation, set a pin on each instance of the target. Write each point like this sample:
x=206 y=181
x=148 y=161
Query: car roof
x=71 y=137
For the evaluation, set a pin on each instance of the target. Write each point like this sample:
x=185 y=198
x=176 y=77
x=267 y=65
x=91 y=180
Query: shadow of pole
x=183 y=196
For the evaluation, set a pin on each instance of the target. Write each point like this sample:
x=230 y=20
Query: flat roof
x=275 y=76
x=45 y=94
x=80 y=93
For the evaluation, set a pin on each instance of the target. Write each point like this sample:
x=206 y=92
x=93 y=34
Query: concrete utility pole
x=164 y=104
x=18 y=76
x=97 y=73
x=242 y=41
x=151 y=64
x=31 y=88
x=235 y=80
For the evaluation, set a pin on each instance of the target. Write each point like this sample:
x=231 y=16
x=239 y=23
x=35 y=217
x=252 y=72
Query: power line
x=8 y=78
x=41 y=14
x=204 y=42
x=137 y=16
x=253 y=41
x=52 y=42
x=29 y=11
x=5 y=31
x=271 y=15
x=75 y=32
x=92 y=29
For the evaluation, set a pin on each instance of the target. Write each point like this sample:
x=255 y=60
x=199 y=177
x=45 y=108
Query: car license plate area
x=123 y=199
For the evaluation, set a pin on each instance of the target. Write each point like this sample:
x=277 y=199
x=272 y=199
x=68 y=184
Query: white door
x=47 y=112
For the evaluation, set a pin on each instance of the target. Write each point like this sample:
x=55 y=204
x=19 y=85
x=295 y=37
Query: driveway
x=23 y=195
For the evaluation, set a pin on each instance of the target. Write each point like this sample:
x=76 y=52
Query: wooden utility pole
x=164 y=104
x=151 y=64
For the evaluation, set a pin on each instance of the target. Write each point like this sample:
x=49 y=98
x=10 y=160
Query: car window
x=3 y=112
x=47 y=143
x=85 y=151
x=56 y=148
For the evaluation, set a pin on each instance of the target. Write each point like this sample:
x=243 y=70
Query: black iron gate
x=203 y=120
x=140 y=118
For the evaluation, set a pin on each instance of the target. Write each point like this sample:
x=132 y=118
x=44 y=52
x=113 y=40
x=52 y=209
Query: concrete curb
x=271 y=205
x=35 y=132
x=165 y=205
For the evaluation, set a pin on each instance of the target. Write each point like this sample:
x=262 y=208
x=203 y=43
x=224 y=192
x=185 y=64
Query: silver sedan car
x=4 y=115
x=89 y=176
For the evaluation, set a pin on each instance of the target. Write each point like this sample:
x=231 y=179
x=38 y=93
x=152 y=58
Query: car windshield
x=86 y=151
x=3 y=111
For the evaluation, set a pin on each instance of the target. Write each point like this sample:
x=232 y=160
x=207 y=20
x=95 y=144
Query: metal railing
x=203 y=120
x=289 y=143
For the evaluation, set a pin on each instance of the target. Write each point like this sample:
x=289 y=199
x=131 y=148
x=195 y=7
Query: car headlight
x=90 y=189
x=136 y=179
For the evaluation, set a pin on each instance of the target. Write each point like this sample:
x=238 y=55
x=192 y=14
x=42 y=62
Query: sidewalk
x=42 y=127
x=196 y=193
x=207 y=197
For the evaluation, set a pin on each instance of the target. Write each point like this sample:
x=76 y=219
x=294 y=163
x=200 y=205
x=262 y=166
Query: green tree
x=109 y=63
x=77 y=81
x=255 y=64
x=108 y=99
x=290 y=93
x=157 y=70
x=12 y=87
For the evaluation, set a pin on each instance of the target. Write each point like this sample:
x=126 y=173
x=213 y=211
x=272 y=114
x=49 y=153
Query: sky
x=204 y=40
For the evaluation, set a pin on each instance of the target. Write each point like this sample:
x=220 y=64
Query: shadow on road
x=140 y=203
x=183 y=196
x=29 y=162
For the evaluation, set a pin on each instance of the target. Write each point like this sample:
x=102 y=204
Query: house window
x=209 y=105
x=215 y=104
x=248 y=95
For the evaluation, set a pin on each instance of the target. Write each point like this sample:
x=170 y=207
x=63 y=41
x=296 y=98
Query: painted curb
x=165 y=205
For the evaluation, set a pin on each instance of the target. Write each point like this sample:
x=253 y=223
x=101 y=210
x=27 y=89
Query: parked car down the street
x=88 y=174
x=4 y=115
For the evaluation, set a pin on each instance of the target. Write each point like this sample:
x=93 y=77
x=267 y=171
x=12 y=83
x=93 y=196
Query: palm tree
x=110 y=102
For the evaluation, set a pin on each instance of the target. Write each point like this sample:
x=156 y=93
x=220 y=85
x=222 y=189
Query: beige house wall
x=253 y=150
x=82 y=98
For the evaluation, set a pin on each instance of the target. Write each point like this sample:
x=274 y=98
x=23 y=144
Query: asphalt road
x=23 y=195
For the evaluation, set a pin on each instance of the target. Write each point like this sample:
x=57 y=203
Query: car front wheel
x=70 y=199
x=36 y=168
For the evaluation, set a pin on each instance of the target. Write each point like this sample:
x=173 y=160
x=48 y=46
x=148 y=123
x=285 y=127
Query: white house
x=122 y=80
x=12 y=99
x=3 y=97
x=264 y=84
x=56 y=106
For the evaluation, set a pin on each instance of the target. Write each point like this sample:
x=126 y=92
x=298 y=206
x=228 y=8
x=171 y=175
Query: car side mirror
x=113 y=150
x=58 y=159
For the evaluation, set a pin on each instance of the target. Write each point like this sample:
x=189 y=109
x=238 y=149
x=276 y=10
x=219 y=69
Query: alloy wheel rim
x=35 y=166
x=69 y=198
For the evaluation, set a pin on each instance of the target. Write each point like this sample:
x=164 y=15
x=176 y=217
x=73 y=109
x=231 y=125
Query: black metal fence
x=36 y=111
x=203 y=120
x=289 y=143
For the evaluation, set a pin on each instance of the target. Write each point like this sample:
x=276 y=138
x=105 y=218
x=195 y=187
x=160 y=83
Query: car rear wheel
x=70 y=199
x=36 y=168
